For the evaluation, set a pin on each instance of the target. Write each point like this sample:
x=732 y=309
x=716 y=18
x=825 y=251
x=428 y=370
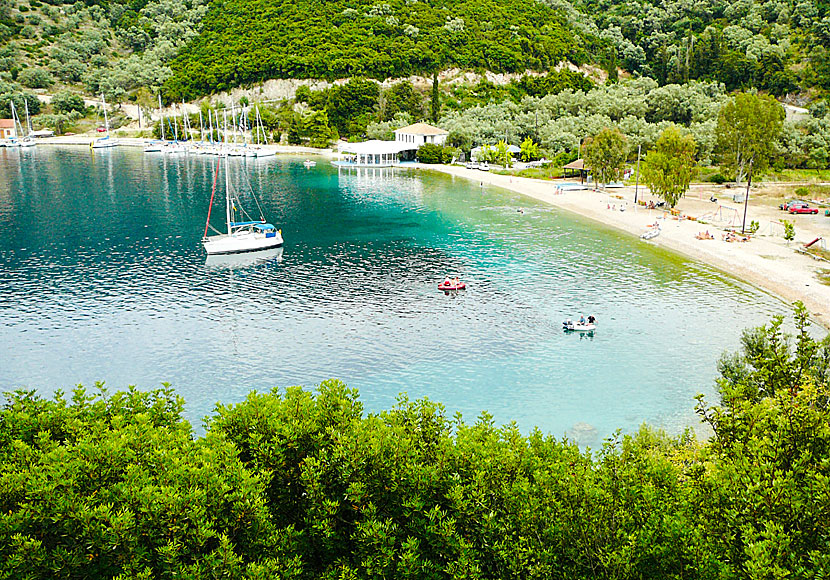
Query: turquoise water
x=104 y=279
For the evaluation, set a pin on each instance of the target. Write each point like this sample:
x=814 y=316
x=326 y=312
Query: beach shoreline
x=766 y=261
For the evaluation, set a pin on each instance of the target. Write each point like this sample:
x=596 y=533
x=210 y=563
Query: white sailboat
x=105 y=142
x=28 y=140
x=156 y=146
x=246 y=235
x=258 y=150
x=14 y=141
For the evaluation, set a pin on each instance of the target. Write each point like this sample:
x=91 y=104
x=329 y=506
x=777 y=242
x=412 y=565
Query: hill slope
x=248 y=41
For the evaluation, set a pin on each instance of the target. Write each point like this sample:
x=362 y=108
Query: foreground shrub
x=300 y=484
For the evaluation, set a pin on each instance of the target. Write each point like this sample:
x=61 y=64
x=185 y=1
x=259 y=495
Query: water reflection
x=245 y=260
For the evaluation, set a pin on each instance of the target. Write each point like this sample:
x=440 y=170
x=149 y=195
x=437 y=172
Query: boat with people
x=244 y=234
x=450 y=284
x=581 y=325
x=309 y=163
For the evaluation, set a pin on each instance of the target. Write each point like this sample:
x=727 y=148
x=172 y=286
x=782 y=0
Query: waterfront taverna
x=377 y=153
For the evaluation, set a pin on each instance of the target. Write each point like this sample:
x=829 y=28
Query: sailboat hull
x=241 y=242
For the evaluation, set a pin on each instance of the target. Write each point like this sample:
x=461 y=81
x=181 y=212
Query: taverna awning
x=578 y=165
x=376 y=147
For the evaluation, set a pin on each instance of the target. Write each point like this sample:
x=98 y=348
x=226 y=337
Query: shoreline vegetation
x=305 y=485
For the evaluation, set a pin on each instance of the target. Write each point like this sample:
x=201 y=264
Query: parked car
x=786 y=205
x=484 y=166
x=102 y=129
x=802 y=208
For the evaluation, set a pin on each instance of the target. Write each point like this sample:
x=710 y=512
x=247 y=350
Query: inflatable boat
x=451 y=286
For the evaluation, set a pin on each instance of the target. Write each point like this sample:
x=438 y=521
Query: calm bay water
x=103 y=278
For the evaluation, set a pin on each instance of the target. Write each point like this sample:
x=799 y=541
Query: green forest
x=199 y=47
x=304 y=484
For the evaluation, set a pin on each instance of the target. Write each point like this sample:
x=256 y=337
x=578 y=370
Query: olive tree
x=748 y=129
x=605 y=154
x=668 y=169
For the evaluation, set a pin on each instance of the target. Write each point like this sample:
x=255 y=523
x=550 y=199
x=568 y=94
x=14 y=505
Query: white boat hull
x=104 y=143
x=241 y=242
x=575 y=326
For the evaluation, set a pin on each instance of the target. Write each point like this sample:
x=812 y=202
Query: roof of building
x=578 y=164
x=6 y=123
x=421 y=129
x=376 y=147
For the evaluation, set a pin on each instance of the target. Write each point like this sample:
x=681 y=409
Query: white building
x=372 y=153
x=421 y=133
x=377 y=153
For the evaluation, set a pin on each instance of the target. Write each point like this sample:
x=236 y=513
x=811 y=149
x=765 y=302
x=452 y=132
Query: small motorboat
x=309 y=163
x=570 y=325
x=451 y=285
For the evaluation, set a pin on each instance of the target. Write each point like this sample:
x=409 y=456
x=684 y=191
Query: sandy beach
x=766 y=261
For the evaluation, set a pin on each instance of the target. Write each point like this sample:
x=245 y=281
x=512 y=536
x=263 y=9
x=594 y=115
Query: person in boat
x=591 y=319
x=447 y=281
x=581 y=319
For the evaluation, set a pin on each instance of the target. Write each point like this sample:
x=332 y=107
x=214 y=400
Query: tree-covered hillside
x=199 y=47
x=774 y=45
x=248 y=41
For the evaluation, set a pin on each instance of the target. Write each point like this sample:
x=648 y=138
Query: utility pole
x=746 y=197
x=536 y=115
x=637 y=179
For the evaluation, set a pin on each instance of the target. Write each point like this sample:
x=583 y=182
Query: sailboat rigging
x=104 y=142
x=245 y=235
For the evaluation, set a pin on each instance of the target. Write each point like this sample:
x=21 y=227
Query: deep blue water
x=103 y=278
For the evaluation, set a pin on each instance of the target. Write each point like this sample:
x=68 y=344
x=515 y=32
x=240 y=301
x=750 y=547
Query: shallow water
x=103 y=278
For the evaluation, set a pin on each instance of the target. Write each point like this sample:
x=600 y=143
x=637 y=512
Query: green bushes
x=432 y=153
x=67 y=101
x=307 y=485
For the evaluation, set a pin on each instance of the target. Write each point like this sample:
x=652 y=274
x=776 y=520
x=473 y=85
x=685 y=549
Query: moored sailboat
x=107 y=141
x=245 y=235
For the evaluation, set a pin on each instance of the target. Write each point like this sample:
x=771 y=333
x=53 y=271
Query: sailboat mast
x=106 y=119
x=233 y=121
x=210 y=122
x=161 y=119
x=228 y=196
x=175 y=125
x=15 y=120
x=28 y=122
x=201 y=126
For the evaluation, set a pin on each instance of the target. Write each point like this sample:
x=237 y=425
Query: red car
x=102 y=129
x=802 y=208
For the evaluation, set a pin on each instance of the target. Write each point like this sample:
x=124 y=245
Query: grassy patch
x=823 y=276
x=814 y=251
x=549 y=172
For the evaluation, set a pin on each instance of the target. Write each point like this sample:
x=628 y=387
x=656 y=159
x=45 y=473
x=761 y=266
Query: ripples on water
x=104 y=278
